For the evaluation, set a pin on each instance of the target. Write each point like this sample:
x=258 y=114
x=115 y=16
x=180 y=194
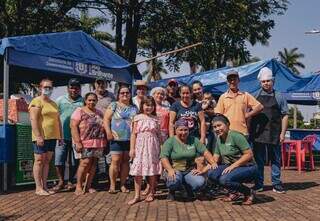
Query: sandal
x=249 y=200
x=124 y=190
x=146 y=191
x=42 y=193
x=149 y=198
x=70 y=186
x=134 y=201
x=57 y=188
x=91 y=190
x=231 y=197
x=78 y=192
x=112 y=191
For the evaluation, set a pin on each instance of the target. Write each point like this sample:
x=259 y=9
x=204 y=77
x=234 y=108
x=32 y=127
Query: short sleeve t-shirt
x=232 y=148
x=49 y=118
x=104 y=101
x=121 y=121
x=66 y=108
x=190 y=114
x=182 y=155
x=92 y=134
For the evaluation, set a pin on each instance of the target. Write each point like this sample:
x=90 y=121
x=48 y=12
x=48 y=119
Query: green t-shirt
x=182 y=155
x=66 y=108
x=232 y=149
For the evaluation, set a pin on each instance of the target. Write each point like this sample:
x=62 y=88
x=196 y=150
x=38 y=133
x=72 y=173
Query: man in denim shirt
x=268 y=130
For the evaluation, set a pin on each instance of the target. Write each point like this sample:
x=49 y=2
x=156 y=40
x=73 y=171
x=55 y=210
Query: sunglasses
x=47 y=87
x=122 y=93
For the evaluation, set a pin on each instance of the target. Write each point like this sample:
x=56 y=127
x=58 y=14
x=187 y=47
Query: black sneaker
x=278 y=189
x=258 y=188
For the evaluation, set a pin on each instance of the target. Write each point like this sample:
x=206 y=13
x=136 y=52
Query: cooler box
x=7 y=146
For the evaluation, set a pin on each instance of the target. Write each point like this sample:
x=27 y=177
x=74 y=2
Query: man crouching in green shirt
x=181 y=150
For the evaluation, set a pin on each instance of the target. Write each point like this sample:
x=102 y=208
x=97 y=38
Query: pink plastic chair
x=306 y=148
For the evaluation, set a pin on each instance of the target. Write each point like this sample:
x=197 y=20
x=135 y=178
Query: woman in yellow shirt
x=46 y=130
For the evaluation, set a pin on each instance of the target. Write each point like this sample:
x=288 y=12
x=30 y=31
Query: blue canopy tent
x=306 y=91
x=214 y=81
x=59 y=56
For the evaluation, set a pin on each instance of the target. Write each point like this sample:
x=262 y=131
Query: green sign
x=24 y=156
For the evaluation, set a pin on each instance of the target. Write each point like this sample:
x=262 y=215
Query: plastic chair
x=306 y=148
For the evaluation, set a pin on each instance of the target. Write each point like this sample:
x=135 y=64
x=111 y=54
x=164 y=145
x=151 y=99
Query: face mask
x=47 y=92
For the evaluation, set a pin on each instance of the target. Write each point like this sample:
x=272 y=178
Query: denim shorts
x=117 y=147
x=61 y=154
x=49 y=145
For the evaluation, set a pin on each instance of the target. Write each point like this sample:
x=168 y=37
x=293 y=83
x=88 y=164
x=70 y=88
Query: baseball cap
x=232 y=73
x=74 y=82
x=173 y=81
x=100 y=79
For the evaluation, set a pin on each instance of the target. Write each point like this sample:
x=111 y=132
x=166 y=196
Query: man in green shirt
x=67 y=104
x=178 y=159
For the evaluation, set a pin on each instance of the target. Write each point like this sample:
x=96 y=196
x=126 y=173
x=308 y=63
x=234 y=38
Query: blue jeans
x=233 y=180
x=186 y=179
x=274 y=154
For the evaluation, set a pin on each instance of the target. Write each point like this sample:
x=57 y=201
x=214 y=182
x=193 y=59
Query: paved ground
x=302 y=202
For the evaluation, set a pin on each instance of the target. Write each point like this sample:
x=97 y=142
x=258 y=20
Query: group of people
x=178 y=133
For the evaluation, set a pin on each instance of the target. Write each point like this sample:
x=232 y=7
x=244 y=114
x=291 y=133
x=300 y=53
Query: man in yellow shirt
x=237 y=106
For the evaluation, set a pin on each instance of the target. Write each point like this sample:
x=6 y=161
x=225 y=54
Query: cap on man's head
x=141 y=83
x=100 y=79
x=74 y=82
x=232 y=73
x=173 y=81
x=265 y=74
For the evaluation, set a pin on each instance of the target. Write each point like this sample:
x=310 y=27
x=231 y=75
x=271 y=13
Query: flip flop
x=57 y=188
x=124 y=190
x=42 y=193
x=134 y=201
x=112 y=191
x=149 y=198
x=145 y=192
x=78 y=192
x=91 y=190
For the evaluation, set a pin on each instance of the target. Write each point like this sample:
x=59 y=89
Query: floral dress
x=147 y=147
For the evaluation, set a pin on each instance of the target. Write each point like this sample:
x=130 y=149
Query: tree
x=35 y=17
x=300 y=118
x=291 y=59
x=154 y=70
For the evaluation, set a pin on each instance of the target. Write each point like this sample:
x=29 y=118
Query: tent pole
x=5 y=112
x=295 y=116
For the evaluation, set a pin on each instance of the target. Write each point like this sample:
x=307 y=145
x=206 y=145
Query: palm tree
x=291 y=59
x=90 y=24
x=154 y=70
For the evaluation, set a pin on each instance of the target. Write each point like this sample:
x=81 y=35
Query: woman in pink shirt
x=88 y=135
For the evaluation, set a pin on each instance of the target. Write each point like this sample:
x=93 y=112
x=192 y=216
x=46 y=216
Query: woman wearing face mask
x=46 y=130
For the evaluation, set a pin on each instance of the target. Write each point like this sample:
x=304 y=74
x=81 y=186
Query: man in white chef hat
x=268 y=130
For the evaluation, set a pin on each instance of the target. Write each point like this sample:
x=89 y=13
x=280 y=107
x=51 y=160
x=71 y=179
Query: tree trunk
x=119 y=12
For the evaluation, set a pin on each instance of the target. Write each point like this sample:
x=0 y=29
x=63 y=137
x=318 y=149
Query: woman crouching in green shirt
x=178 y=159
x=237 y=163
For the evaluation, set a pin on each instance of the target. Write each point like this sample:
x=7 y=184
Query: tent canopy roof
x=66 y=53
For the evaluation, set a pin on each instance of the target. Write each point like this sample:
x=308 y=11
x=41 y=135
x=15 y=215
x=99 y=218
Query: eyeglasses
x=47 y=87
x=123 y=93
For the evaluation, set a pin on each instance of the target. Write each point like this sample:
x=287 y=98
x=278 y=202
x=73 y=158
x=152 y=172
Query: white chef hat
x=265 y=74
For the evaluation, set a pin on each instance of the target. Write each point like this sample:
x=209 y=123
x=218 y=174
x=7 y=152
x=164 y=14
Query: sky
x=289 y=32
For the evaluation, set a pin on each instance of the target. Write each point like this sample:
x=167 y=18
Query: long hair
x=148 y=100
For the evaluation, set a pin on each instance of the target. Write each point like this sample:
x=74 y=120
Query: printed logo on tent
x=96 y=71
x=81 y=68
x=316 y=95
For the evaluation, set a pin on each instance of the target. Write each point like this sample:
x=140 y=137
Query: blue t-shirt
x=66 y=108
x=190 y=114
